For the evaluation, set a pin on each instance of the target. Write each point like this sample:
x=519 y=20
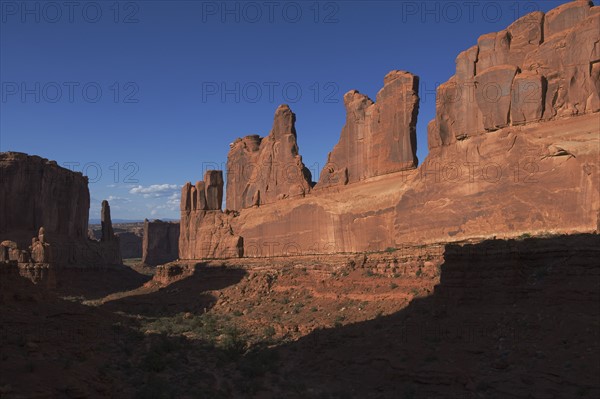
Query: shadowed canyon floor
x=498 y=319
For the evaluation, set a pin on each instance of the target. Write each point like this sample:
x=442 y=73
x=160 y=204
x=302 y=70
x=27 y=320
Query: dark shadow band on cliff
x=509 y=319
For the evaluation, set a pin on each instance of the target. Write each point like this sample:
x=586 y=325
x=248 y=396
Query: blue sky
x=143 y=96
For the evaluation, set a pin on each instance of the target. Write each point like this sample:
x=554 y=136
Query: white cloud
x=156 y=190
x=171 y=205
x=117 y=200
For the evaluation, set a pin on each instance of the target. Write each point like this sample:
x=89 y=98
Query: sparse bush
x=269 y=332
x=232 y=342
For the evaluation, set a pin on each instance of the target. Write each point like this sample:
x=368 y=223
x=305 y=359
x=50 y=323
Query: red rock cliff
x=378 y=138
x=542 y=67
x=264 y=170
x=205 y=231
x=36 y=192
x=44 y=215
x=160 y=243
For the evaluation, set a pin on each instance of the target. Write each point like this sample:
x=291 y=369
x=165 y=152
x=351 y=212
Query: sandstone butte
x=513 y=150
x=160 y=242
x=44 y=217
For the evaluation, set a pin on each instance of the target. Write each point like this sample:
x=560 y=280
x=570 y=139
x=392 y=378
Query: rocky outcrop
x=161 y=242
x=379 y=137
x=205 y=231
x=530 y=179
x=108 y=233
x=36 y=192
x=131 y=243
x=490 y=172
x=40 y=199
x=264 y=170
x=542 y=67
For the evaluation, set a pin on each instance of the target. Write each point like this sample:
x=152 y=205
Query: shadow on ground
x=509 y=319
x=97 y=283
x=187 y=295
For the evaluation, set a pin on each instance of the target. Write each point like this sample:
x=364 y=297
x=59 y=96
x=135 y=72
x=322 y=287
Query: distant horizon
x=148 y=95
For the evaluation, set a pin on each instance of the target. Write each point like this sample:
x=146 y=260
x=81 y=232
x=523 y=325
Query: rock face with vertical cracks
x=205 y=231
x=378 y=137
x=491 y=171
x=161 y=242
x=264 y=170
x=542 y=67
x=40 y=199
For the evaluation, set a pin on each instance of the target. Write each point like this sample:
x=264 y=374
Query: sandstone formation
x=130 y=237
x=106 y=222
x=542 y=67
x=36 y=192
x=131 y=243
x=40 y=199
x=205 y=231
x=520 y=177
x=264 y=170
x=161 y=242
x=378 y=138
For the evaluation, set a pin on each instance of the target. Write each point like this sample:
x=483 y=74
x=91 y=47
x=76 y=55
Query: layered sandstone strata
x=264 y=170
x=524 y=163
x=542 y=67
x=160 y=242
x=36 y=192
x=205 y=231
x=379 y=137
x=40 y=199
